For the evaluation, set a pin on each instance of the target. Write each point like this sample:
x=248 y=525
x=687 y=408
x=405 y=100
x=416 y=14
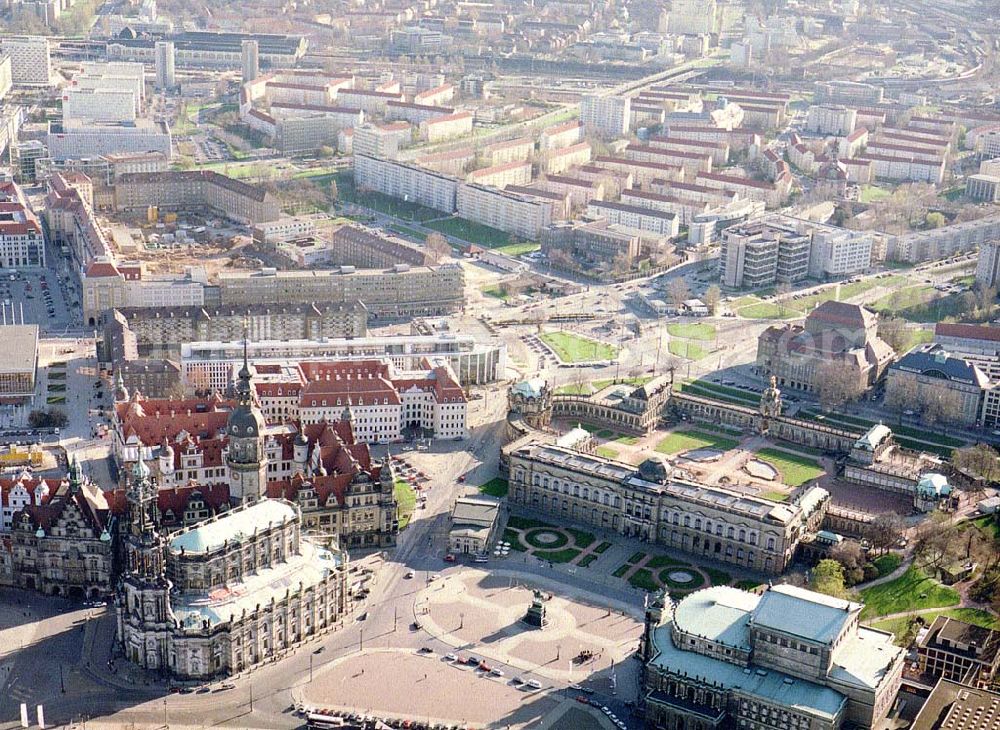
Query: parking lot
x=39 y=297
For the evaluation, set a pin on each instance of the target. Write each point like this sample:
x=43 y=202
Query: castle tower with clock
x=246 y=459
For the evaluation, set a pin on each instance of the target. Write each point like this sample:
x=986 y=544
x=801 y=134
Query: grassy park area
x=795 y=469
x=681 y=441
x=687 y=349
x=495 y=487
x=572 y=348
x=692 y=331
x=406 y=502
x=471 y=231
x=911 y=591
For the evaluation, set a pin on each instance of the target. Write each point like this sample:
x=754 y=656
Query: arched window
x=770 y=543
x=743 y=535
x=687 y=520
x=730 y=532
x=697 y=523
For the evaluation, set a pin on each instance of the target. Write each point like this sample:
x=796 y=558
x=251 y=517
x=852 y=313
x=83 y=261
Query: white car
x=534 y=684
x=451 y=657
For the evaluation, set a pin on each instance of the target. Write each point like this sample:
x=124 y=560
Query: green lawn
x=53 y=400
x=644 y=579
x=871 y=193
x=901 y=627
x=471 y=231
x=57 y=374
x=627 y=440
x=794 y=469
x=513 y=537
x=525 y=523
x=598 y=385
x=687 y=349
x=664 y=561
x=692 y=331
x=572 y=348
x=586 y=560
x=581 y=538
x=606 y=452
x=408 y=233
x=887 y=563
x=496 y=292
x=406 y=502
x=681 y=441
x=495 y=487
x=774 y=495
x=718 y=577
x=766 y=310
x=920 y=303
x=602 y=547
x=912 y=590
x=621 y=570
x=989 y=525
x=843 y=292
x=637 y=557
x=518 y=249
x=720 y=392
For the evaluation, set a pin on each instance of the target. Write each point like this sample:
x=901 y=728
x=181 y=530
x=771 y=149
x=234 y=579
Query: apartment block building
x=406 y=182
x=415 y=114
x=592 y=246
x=772 y=194
x=718 y=150
x=983 y=188
x=831 y=119
x=606 y=117
x=500 y=176
x=561 y=135
x=367 y=248
x=513 y=150
x=691 y=162
x=382 y=140
x=940 y=243
x=521 y=215
x=196 y=189
x=644 y=221
x=559 y=160
x=446 y=126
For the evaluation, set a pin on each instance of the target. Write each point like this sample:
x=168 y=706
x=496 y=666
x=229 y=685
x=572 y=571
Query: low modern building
x=18 y=361
x=959 y=652
x=22 y=240
x=474 y=362
x=790 y=657
x=474 y=524
x=958 y=706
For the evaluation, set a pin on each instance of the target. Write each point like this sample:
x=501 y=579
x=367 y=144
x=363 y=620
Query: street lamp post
x=310 y=668
x=461 y=621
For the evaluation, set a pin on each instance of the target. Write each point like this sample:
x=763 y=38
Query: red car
x=461 y=479
x=449 y=558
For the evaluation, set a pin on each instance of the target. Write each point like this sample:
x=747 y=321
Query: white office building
x=166 y=77
x=31 y=64
x=75 y=139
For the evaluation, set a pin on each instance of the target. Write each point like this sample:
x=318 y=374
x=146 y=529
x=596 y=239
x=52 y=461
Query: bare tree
x=895 y=332
x=939 y=405
x=885 y=530
x=836 y=384
x=980 y=462
x=901 y=393
x=712 y=297
x=436 y=248
x=678 y=292
x=850 y=555
x=934 y=542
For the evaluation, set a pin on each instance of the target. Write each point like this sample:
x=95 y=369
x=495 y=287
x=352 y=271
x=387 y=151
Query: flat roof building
x=18 y=361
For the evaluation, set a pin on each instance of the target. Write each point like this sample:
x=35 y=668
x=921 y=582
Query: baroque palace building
x=660 y=504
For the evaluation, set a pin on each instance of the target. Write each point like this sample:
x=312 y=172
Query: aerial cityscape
x=558 y=364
